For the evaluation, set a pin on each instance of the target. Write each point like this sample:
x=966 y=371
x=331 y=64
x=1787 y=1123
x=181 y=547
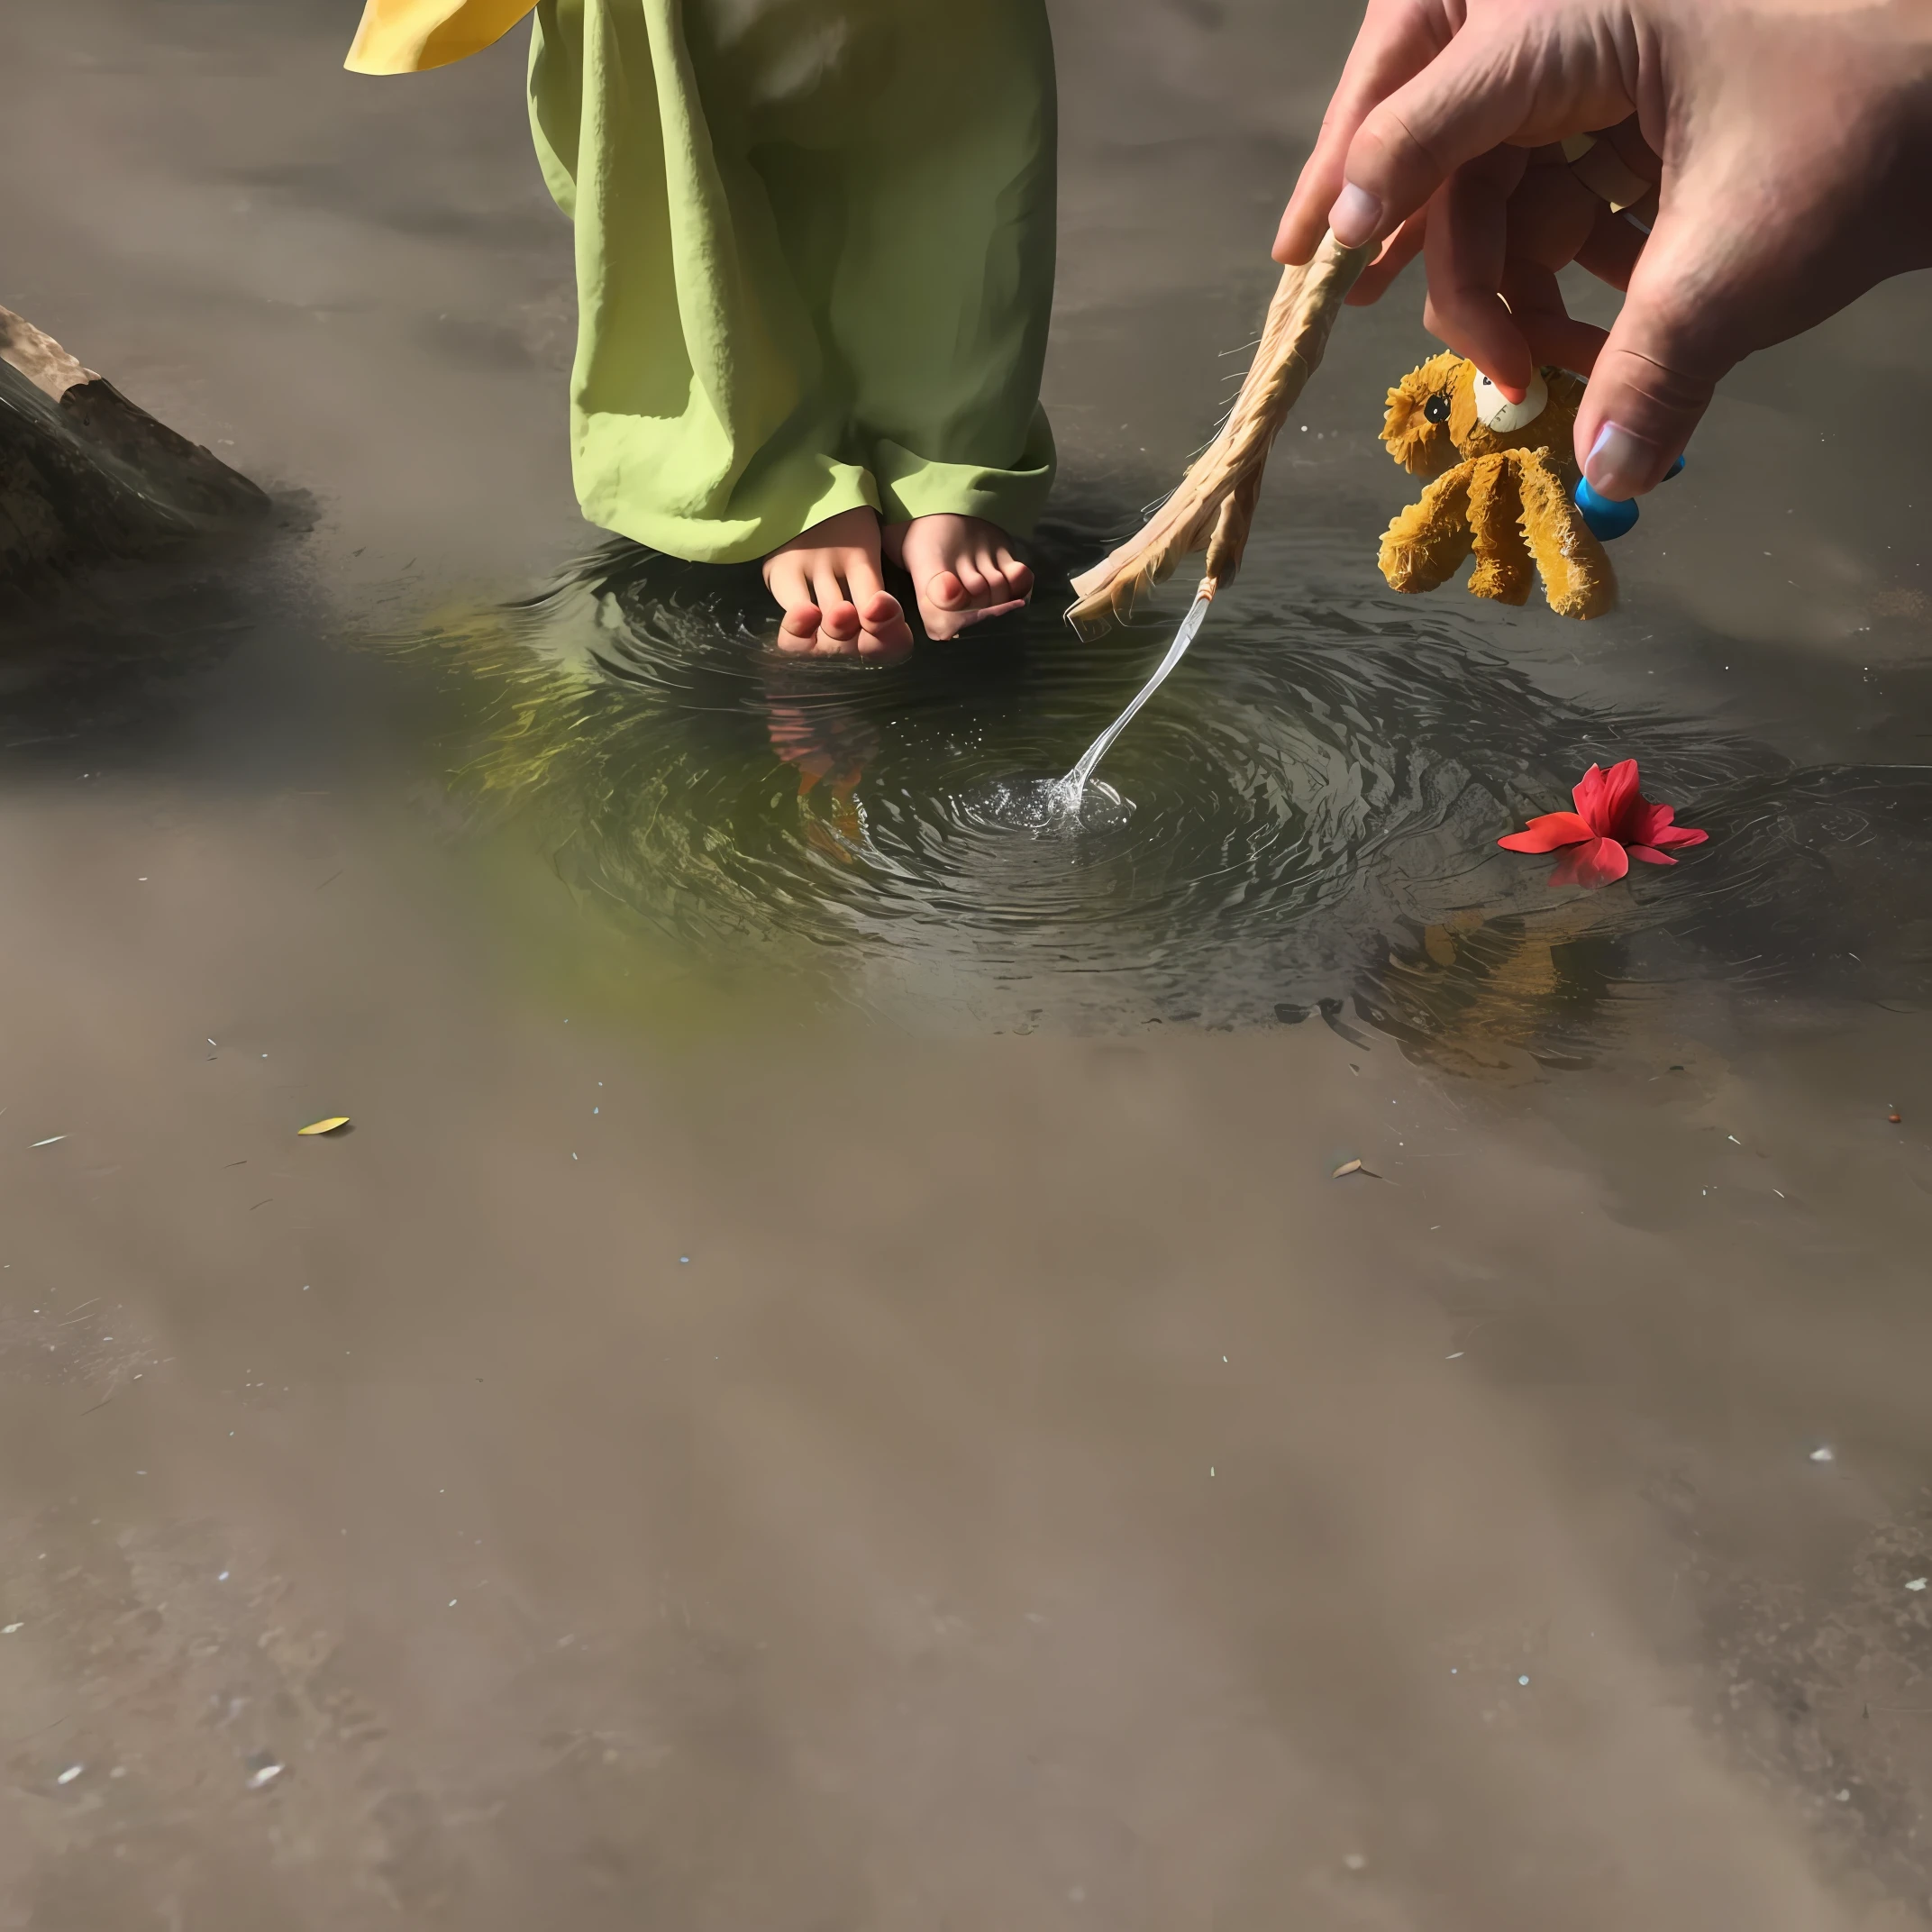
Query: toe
x=799 y=631
x=945 y=591
x=1009 y=576
x=885 y=634
x=841 y=622
x=945 y=605
x=964 y=618
x=838 y=624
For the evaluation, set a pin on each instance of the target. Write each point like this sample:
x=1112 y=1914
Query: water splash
x=1072 y=787
x=1044 y=806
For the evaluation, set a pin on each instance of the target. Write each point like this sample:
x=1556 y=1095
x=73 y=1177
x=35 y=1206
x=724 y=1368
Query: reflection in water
x=833 y=749
x=1307 y=815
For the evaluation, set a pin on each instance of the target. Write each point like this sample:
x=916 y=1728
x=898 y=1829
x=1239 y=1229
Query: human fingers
x=1611 y=248
x=1535 y=300
x=1467 y=247
x=1552 y=212
x=1622 y=168
x=1398 y=251
x=1398 y=39
x=1488 y=87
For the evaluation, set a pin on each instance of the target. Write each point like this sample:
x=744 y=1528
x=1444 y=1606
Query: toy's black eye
x=1437 y=409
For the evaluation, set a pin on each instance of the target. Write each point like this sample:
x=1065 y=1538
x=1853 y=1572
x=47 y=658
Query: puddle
x=1320 y=784
x=875 y=1356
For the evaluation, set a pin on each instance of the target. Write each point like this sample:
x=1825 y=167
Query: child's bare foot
x=837 y=603
x=962 y=570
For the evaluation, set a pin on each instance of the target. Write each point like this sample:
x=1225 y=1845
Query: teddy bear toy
x=1506 y=486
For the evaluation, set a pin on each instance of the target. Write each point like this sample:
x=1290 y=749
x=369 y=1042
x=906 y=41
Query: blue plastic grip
x=1606 y=518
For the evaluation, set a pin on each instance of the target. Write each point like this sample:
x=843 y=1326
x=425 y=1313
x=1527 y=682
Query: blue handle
x=1606 y=517
x=1609 y=517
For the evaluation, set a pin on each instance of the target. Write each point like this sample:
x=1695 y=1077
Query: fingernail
x=1620 y=462
x=1355 y=216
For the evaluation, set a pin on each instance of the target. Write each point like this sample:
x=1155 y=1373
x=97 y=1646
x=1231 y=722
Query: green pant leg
x=705 y=419
x=945 y=287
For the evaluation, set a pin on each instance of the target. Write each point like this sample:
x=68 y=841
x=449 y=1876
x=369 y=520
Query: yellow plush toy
x=1504 y=477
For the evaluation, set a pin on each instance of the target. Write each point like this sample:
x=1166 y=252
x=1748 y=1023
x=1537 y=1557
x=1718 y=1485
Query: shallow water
x=830 y=1382
x=1325 y=780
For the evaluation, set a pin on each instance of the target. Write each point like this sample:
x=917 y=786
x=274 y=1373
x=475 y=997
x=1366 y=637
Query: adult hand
x=1790 y=141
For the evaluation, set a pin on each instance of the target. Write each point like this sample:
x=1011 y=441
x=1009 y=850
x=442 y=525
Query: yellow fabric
x=406 y=36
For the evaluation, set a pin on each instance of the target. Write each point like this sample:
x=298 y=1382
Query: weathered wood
x=87 y=476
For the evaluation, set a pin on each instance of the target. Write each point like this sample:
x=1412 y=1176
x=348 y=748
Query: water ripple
x=1317 y=788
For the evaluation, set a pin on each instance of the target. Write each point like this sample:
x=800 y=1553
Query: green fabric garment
x=815 y=260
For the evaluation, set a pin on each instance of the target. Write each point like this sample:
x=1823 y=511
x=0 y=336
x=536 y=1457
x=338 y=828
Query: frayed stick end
x=1094 y=617
x=1107 y=596
x=1215 y=505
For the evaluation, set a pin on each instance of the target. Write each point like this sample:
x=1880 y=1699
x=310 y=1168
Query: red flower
x=1613 y=823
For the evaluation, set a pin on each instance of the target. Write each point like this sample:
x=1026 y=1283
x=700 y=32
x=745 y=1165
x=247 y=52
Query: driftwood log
x=87 y=476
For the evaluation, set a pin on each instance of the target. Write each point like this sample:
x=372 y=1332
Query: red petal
x=1650 y=856
x=1601 y=863
x=1678 y=836
x=1619 y=801
x=1547 y=833
x=1588 y=793
x=1646 y=820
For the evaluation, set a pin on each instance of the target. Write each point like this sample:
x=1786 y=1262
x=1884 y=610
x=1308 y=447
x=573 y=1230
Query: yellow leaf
x=325 y=1126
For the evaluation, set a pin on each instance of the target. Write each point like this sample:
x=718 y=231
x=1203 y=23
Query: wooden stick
x=1213 y=506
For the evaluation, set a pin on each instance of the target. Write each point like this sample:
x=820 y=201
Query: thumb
x=1688 y=319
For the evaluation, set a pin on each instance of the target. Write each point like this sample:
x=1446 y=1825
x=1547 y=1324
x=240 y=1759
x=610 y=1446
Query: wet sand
x=707 y=1452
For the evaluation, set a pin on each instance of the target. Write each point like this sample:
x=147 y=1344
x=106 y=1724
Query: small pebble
x=70 y=1773
x=1355 y=1862
x=1823 y=1455
x=1918 y=1583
